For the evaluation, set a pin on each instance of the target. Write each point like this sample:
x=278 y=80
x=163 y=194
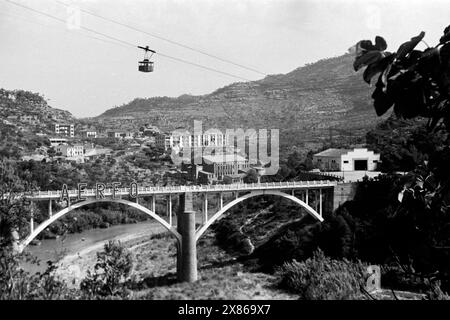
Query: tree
x=113 y=267
x=252 y=176
x=14 y=214
x=51 y=152
x=15 y=283
x=417 y=83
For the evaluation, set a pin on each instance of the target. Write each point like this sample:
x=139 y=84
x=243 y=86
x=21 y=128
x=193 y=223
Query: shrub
x=111 y=271
x=322 y=278
x=435 y=292
x=17 y=284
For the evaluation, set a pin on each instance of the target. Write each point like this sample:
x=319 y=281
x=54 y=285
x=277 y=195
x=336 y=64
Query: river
x=73 y=244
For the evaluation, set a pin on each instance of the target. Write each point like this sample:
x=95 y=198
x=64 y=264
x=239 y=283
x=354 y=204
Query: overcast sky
x=77 y=72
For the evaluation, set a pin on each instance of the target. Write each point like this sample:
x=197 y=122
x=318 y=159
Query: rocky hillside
x=19 y=103
x=304 y=104
x=25 y=118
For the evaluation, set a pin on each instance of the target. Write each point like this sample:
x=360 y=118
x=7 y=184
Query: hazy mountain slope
x=25 y=103
x=303 y=104
x=23 y=115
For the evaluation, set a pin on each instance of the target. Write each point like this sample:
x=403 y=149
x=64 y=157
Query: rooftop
x=221 y=158
x=332 y=152
x=97 y=152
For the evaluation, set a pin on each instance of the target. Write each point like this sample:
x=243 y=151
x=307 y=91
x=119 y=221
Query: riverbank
x=154 y=273
x=73 y=268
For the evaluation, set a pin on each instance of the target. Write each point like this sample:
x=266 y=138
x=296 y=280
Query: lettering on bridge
x=99 y=191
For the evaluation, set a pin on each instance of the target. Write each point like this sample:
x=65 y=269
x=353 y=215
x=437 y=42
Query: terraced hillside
x=304 y=104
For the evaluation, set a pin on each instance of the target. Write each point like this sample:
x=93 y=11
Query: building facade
x=54 y=142
x=89 y=134
x=167 y=141
x=115 y=134
x=70 y=151
x=358 y=159
x=67 y=130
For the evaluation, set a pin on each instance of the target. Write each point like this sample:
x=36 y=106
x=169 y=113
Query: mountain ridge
x=303 y=104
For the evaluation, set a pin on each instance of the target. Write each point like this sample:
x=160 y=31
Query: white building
x=65 y=130
x=89 y=134
x=358 y=159
x=188 y=141
x=115 y=134
x=71 y=151
x=54 y=142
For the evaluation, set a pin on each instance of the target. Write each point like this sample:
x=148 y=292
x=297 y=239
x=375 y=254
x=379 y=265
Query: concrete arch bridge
x=315 y=197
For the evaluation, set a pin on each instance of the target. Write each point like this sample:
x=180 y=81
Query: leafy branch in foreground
x=416 y=83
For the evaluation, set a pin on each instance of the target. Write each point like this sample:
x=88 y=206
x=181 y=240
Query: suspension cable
x=123 y=42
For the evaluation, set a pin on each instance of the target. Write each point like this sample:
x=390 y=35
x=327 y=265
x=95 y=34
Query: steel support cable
x=162 y=38
x=127 y=43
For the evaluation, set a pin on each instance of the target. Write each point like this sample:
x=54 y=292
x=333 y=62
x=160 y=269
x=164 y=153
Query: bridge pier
x=205 y=208
x=50 y=213
x=187 y=251
x=169 y=208
x=16 y=241
x=31 y=218
x=320 y=202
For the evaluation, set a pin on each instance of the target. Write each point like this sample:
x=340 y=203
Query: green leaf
x=380 y=43
x=408 y=46
x=367 y=58
x=377 y=67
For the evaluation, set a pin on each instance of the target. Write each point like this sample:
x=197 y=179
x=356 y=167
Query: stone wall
x=343 y=192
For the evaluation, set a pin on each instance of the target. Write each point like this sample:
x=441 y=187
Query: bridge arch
x=64 y=211
x=225 y=208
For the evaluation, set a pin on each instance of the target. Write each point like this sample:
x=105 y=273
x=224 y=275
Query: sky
x=86 y=73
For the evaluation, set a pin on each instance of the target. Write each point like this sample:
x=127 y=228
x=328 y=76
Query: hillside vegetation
x=303 y=104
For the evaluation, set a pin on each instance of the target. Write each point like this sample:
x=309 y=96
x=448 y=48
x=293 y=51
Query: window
x=345 y=161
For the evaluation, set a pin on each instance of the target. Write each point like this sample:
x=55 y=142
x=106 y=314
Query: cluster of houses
x=77 y=152
x=67 y=130
x=230 y=166
x=66 y=148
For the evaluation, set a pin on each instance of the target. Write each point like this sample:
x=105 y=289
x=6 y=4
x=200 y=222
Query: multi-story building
x=89 y=134
x=70 y=151
x=54 y=142
x=167 y=141
x=115 y=134
x=67 y=130
x=222 y=165
x=127 y=135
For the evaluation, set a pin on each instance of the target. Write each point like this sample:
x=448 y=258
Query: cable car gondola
x=146 y=65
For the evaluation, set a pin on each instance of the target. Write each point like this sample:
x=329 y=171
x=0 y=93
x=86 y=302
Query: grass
x=220 y=275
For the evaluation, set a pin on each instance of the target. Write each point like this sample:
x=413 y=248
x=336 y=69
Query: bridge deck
x=149 y=191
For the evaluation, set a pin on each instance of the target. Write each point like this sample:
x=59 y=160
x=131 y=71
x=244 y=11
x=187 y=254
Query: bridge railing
x=193 y=188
